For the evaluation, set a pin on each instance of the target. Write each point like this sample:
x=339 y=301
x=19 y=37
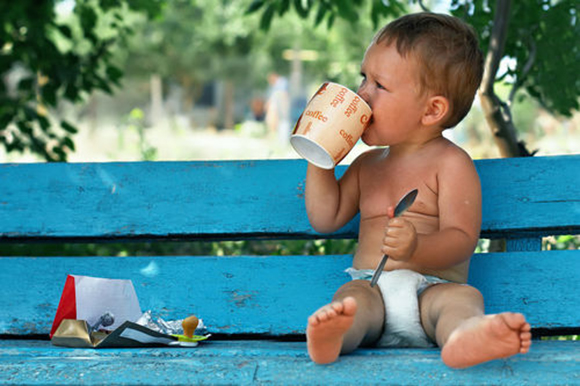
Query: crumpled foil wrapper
x=169 y=327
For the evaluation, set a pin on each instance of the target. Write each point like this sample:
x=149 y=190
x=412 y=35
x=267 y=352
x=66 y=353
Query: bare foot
x=481 y=339
x=326 y=329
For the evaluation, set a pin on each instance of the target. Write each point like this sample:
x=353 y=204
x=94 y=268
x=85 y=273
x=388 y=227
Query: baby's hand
x=400 y=239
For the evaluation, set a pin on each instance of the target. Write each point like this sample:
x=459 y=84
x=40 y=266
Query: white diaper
x=401 y=289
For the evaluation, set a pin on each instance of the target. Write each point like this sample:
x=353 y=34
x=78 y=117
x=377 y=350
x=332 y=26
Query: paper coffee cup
x=331 y=125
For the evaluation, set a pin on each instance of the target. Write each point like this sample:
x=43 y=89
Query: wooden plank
x=520 y=244
x=542 y=285
x=272 y=295
x=523 y=194
x=261 y=362
x=152 y=199
x=243 y=199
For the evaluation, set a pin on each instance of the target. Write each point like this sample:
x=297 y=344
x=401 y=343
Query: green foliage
x=184 y=47
x=327 y=11
x=543 y=42
x=562 y=242
x=136 y=121
x=45 y=60
x=561 y=337
x=226 y=248
x=195 y=42
x=194 y=248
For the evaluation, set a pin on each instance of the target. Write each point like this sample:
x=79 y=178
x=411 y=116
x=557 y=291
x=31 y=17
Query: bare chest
x=383 y=184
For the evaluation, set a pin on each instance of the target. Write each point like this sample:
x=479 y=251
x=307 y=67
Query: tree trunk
x=497 y=113
x=157 y=112
x=229 y=104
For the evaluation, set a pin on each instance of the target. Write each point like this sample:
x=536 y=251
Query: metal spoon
x=403 y=204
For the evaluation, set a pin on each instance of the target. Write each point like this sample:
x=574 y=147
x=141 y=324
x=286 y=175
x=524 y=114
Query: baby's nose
x=362 y=91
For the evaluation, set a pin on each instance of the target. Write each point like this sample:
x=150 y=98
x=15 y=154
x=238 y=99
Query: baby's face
x=390 y=86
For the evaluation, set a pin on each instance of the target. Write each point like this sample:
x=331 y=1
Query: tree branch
x=423 y=6
x=497 y=43
x=498 y=113
x=525 y=71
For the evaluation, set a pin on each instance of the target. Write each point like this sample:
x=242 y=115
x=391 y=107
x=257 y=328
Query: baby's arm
x=459 y=205
x=330 y=204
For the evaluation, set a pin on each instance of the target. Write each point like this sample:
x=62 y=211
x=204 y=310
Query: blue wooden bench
x=257 y=306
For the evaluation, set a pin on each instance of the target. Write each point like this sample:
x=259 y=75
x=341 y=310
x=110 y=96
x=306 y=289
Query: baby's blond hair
x=447 y=52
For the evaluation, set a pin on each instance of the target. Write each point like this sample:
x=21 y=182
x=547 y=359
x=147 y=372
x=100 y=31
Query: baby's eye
x=380 y=86
x=364 y=78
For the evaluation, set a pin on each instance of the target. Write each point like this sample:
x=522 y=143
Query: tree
x=45 y=59
x=195 y=42
x=542 y=38
x=539 y=38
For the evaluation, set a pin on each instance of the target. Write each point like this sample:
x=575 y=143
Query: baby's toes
x=313 y=320
x=337 y=307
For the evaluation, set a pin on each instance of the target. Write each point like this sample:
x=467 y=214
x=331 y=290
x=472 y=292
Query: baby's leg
x=355 y=316
x=453 y=315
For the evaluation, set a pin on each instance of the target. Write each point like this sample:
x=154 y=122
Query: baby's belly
x=368 y=254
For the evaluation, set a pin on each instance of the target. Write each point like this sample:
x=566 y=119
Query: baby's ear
x=437 y=109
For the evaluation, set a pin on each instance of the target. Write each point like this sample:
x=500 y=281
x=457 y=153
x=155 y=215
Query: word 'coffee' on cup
x=317 y=115
x=339 y=98
x=331 y=125
x=351 y=109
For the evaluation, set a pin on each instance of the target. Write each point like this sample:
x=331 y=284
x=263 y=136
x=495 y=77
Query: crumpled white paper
x=97 y=296
x=170 y=327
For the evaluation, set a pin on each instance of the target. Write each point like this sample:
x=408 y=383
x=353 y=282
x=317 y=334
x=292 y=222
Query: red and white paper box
x=88 y=298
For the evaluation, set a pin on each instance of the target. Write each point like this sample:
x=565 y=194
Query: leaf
x=68 y=127
x=68 y=142
x=255 y=6
x=65 y=30
x=330 y=21
x=26 y=83
x=43 y=122
x=284 y=6
x=322 y=12
x=25 y=127
x=267 y=17
x=61 y=155
x=375 y=11
x=49 y=94
x=108 y=4
x=346 y=10
x=300 y=9
x=114 y=74
x=87 y=16
x=88 y=19
x=72 y=93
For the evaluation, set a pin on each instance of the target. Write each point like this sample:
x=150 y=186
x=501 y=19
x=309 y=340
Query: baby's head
x=447 y=55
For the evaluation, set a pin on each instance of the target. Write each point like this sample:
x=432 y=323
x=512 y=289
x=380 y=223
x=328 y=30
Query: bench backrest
x=524 y=199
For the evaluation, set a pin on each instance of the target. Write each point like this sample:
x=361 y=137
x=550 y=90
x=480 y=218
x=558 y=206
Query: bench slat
x=273 y=295
x=521 y=195
x=259 y=362
x=523 y=244
x=236 y=199
x=156 y=199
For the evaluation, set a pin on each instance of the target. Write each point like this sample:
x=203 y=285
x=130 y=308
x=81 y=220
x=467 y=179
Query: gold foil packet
x=75 y=333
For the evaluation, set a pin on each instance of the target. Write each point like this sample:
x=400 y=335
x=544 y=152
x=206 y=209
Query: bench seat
x=243 y=362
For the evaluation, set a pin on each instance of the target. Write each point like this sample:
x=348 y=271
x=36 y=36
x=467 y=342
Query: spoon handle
x=379 y=270
x=403 y=204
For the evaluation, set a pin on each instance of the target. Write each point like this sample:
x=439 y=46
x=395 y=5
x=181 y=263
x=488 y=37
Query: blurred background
x=170 y=80
x=204 y=80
